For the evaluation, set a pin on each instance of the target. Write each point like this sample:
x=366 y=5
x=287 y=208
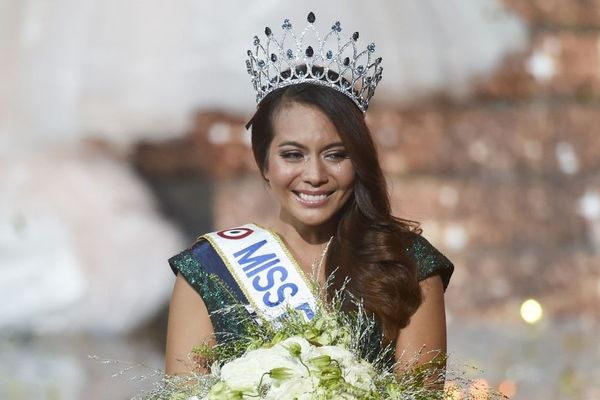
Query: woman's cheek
x=286 y=173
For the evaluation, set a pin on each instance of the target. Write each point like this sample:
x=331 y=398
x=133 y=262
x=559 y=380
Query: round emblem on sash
x=235 y=233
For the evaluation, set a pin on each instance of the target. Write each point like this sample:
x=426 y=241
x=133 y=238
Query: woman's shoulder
x=429 y=260
x=185 y=258
x=202 y=261
x=204 y=268
x=202 y=248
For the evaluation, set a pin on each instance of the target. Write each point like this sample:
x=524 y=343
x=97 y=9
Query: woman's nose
x=315 y=171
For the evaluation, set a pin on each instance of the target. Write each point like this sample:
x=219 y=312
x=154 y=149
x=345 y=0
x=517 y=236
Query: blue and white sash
x=265 y=271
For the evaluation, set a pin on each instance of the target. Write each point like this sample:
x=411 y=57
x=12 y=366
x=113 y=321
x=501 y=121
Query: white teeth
x=312 y=197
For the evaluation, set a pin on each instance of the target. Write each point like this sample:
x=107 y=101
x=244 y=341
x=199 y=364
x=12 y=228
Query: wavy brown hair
x=370 y=244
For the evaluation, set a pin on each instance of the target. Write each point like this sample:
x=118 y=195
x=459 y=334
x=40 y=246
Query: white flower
x=357 y=373
x=360 y=374
x=341 y=355
x=246 y=372
x=297 y=366
x=298 y=388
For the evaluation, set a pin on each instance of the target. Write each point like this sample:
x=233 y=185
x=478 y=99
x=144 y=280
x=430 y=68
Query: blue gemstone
x=346 y=61
x=290 y=53
x=360 y=69
x=329 y=54
x=371 y=47
x=261 y=63
x=286 y=24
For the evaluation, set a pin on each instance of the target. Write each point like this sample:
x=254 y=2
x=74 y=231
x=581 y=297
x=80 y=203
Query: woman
x=316 y=154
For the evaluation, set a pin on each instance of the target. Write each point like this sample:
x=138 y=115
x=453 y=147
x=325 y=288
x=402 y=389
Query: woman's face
x=308 y=168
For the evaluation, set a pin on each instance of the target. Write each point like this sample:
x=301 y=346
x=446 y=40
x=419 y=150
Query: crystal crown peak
x=308 y=57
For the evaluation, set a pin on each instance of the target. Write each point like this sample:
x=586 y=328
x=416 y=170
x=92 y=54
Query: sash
x=264 y=270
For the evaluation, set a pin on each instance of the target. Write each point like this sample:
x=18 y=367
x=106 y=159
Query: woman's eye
x=292 y=155
x=337 y=156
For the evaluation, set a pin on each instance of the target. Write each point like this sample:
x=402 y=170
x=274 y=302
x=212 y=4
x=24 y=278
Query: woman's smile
x=312 y=199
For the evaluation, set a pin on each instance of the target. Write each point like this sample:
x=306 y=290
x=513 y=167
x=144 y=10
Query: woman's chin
x=314 y=219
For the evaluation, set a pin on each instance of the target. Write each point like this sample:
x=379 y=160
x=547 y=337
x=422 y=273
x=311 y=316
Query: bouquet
x=328 y=357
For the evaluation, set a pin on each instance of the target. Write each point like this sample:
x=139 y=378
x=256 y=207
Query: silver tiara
x=330 y=62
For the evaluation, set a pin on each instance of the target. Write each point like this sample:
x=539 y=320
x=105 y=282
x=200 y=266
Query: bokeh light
x=531 y=311
x=508 y=388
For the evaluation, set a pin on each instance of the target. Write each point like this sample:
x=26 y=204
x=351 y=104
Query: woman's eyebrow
x=301 y=146
x=292 y=143
x=332 y=145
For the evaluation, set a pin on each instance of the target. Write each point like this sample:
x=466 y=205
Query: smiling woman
x=315 y=151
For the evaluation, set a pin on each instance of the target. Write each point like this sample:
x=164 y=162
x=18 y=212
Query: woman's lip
x=317 y=202
x=314 y=192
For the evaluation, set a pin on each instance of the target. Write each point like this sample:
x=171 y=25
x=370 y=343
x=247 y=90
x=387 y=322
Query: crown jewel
x=295 y=58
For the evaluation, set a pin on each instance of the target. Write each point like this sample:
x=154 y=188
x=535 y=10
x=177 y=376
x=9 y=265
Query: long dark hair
x=370 y=244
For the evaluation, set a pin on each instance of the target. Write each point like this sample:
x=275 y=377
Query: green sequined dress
x=198 y=265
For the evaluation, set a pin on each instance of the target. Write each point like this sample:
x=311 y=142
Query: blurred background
x=122 y=140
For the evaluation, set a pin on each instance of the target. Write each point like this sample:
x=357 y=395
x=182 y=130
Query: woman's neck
x=308 y=244
x=296 y=232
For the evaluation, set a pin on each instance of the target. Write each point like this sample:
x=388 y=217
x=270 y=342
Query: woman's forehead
x=304 y=124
